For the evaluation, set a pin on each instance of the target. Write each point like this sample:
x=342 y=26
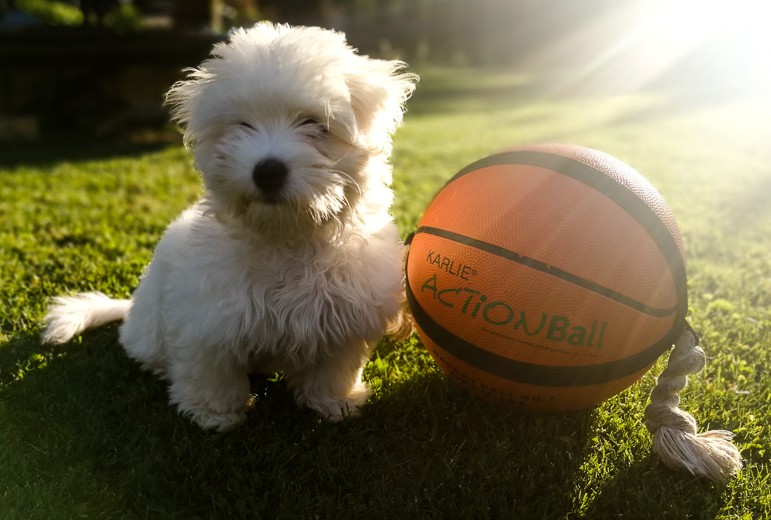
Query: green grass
x=85 y=433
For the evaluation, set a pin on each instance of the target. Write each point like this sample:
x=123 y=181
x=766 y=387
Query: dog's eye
x=313 y=123
x=247 y=125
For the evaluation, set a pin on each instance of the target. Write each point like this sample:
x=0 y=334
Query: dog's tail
x=68 y=316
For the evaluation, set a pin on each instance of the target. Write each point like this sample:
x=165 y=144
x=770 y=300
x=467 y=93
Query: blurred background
x=101 y=67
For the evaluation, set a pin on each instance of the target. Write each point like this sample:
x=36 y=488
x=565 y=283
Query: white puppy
x=291 y=262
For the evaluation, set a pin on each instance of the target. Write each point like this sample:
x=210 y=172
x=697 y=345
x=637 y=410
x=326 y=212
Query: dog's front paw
x=221 y=422
x=349 y=406
x=334 y=408
x=212 y=396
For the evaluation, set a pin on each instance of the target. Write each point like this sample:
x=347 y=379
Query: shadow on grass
x=95 y=434
x=87 y=433
x=647 y=489
x=74 y=150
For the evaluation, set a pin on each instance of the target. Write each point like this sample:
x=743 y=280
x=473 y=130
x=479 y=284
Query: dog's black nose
x=270 y=175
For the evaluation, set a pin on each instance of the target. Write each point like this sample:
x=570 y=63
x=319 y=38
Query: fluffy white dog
x=291 y=262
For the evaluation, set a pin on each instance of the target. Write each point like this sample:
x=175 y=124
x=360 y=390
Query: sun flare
x=704 y=44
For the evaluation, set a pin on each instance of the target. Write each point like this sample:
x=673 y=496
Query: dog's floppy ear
x=378 y=90
x=184 y=99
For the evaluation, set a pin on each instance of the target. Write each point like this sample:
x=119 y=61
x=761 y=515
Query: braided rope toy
x=675 y=439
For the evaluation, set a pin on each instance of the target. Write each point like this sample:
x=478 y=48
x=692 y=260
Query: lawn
x=85 y=433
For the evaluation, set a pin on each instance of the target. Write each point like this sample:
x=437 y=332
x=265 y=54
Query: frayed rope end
x=708 y=455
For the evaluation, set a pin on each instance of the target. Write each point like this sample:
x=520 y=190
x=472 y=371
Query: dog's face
x=289 y=127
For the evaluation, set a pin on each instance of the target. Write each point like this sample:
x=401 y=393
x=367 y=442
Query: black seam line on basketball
x=529 y=373
x=548 y=269
x=612 y=189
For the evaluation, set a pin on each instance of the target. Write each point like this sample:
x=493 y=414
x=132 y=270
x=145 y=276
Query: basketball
x=547 y=278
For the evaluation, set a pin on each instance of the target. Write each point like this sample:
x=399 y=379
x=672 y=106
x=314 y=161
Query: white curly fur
x=303 y=278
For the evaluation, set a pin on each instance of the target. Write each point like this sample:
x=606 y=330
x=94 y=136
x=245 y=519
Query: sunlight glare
x=736 y=32
x=703 y=44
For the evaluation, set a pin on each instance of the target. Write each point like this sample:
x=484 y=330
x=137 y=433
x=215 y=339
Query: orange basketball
x=548 y=277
